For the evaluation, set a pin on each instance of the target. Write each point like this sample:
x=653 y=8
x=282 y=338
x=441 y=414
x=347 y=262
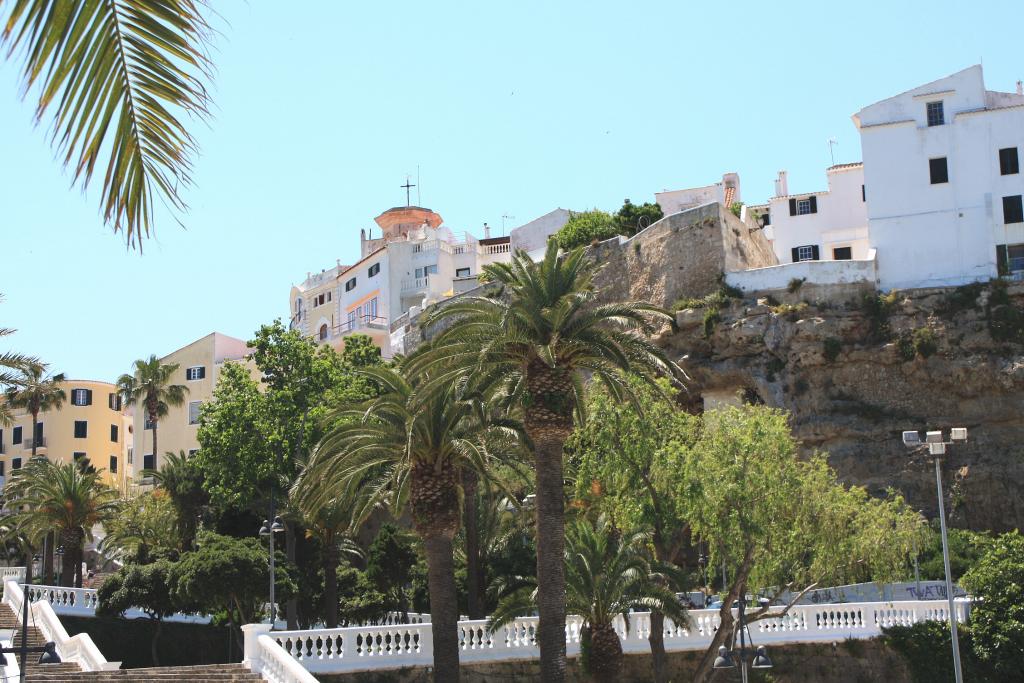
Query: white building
x=943 y=182
x=819 y=226
x=726 y=193
x=533 y=237
x=415 y=262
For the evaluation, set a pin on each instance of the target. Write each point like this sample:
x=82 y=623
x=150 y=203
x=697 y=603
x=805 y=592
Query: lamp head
x=49 y=655
x=958 y=434
x=933 y=437
x=265 y=529
x=278 y=525
x=761 y=660
x=724 y=659
x=936 y=449
x=911 y=439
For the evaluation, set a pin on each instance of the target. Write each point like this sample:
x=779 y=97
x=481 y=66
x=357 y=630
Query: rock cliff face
x=855 y=374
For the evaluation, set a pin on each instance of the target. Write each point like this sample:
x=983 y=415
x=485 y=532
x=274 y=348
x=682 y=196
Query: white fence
x=366 y=648
x=79 y=648
x=82 y=602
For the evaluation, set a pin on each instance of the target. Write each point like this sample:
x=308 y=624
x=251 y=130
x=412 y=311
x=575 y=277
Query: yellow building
x=91 y=424
x=199 y=366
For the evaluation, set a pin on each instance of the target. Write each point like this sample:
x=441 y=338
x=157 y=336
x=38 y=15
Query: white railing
x=411 y=284
x=83 y=602
x=502 y=248
x=80 y=648
x=364 y=648
x=266 y=657
x=16 y=573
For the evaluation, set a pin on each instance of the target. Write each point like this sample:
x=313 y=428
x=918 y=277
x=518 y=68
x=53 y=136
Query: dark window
x=766 y=219
x=197 y=372
x=147 y=423
x=148 y=462
x=939 y=170
x=113 y=433
x=77 y=455
x=1009 y=258
x=39 y=433
x=1009 y=164
x=323 y=332
x=192 y=451
x=1 y=468
x=842 y=253
x=81 y=397
x=1013 y=210
x=374 y=269
x=1 y=441
x=863 y=194
x=16 y=435
x=131 y=455
x=807 y=252
x=15 y=463
x=113 y=464
x=802 y=207
x=114 y=402
x=462 y=272
x=936 y=114
x=350 y=285
x=81 y=429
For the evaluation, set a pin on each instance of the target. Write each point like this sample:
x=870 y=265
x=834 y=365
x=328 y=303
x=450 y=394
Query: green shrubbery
x=586 y=227
x=832 y=347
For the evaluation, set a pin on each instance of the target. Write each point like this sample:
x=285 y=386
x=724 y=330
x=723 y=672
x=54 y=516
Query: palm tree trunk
x=473 y=568
x=48 y=549
x=29 y=553
x=444 y=607
x=330 y=599
x=68 y=538
x=605 y=659
x=550 y=554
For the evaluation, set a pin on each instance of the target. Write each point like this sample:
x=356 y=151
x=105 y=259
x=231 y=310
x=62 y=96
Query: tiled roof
x=730 y=194
x=836 y=167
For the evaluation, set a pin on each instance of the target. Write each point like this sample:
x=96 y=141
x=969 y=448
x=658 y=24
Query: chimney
x=781 y=186
x=1020 y=88
x=487 y=232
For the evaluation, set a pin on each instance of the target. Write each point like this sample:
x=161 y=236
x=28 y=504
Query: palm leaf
x=119 y=77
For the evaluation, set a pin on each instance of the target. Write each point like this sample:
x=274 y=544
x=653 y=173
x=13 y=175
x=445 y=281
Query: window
x=192 y=451
x=39 y=434
x=1009 y=164
x=113 y=433
x=193 y=412
x=350 y=285
x=148 y=462
x=131 y=455
x=462 y=272
x=374 y=269
x=936 y=115
x=1 y=468
x=15 y=463
x=323 y=332
x=81 y=397
x=114 y=402
x=81 y=429
x=371 y=308
x=808 y=252
x=939 y=170
x=802 y=207
x=1010 y=258
x=196 y=372
x=863 y=194
x=1013 y=210
x=350 y=320
x=78 y=455
x=113 y=464
x=842 y=253
x=147 y=423
x=16 y=435
x=328 y=295
x=430 y=270
x=1 y=441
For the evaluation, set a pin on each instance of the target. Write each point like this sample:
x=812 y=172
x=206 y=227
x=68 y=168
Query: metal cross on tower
x=407 y=187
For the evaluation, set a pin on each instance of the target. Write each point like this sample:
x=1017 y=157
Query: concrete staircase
x=9 y=620
x=212 y=673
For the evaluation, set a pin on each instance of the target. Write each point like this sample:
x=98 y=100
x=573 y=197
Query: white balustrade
x=364 y=648
x=264 y=656
x=67 y=600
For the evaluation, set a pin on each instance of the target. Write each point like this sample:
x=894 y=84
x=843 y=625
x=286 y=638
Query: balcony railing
x=366 y=322
x=413 y=284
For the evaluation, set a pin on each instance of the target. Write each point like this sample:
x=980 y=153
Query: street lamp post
x=937 y=448
x=725 y=660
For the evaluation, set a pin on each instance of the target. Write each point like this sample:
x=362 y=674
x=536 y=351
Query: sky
x=503 y=109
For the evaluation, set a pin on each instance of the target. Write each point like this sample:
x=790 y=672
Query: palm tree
x=608 y=574
x=149 y=387
x=58 y=495
x=183 y=482
x=34 y=391
x=407 y=446
x=120 y=77
x=538 y=338
x=11 y=366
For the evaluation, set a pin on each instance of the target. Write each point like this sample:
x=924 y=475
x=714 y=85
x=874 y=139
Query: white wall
x=943 y=234
x=533 y=236
x=813 y=272
x=674 y=201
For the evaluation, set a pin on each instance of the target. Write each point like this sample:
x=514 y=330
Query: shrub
x=905 y=347
x=925 y=342
x=832 y=348
x=711 y=318
x=775 y=366
x=927 y=649
x=795 y=284
x=997 y=619
x=790 y=311
x=585 y=227
x=877 y=308
x=1006 y=323
x=736 y=209
x=715 y=300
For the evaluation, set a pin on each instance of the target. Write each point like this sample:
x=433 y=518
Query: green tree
x=609 y=572
x=775 y=520
x=625 y=469
x=997 y=615
x=182 y=481
x=228 y=575
x=147 y=587
x=149 y=387
x=37 y=392
x=966 y=548
x=585 y=227
x=360 y=351
x=632 y=218
x=389 y=564
x=119 y=77
x=537 y=342
x=59 y=496
x=11 y=366
x=143 y=528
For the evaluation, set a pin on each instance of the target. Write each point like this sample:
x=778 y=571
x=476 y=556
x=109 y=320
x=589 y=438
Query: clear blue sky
x=517 y=108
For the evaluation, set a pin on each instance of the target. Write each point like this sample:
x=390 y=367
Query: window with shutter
x=113 y=433
x=792 y=207
x=374 y=269
x=81 y=429
x=195 y=373
x=1009 y=164
x=1015 y=258
x=808 y=252
x=803 y=207
x=1013 y=209
x=350 y=285
x=114 y=402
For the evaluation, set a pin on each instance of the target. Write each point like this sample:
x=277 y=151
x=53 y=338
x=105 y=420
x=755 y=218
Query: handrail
x=263 y=655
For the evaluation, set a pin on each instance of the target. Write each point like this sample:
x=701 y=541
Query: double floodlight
x=934 y=440
x=724 y=659
x=277 y=527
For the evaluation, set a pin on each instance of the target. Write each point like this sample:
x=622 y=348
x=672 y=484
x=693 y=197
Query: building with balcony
x=416 y=261
x=90 y=424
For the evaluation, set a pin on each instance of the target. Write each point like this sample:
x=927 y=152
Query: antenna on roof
x=832 y=142
x=419 y=202
x=504 y=217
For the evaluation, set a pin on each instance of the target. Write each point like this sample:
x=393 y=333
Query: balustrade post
x=252 y=656
x=427 y=643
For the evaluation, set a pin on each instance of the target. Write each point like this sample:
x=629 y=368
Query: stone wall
x=860 y=661
x=682 y=255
